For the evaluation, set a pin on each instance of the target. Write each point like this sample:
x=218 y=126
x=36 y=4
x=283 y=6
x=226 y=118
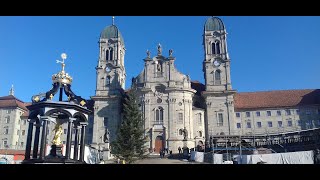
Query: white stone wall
x=308 y=116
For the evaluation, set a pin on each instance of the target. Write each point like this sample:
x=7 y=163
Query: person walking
x=179 y=149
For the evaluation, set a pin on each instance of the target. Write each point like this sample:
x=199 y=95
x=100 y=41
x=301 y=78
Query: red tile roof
x=11 y=101
x=276 y=99
x=270 y=99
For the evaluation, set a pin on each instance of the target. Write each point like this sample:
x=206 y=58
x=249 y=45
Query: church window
x=218 y=47
x=159 y=115
x=109 y=54
x=180 y=120
x=200 y=133
x=217 y=77
x=220 y=119
x=108 y=80
x=215 y=47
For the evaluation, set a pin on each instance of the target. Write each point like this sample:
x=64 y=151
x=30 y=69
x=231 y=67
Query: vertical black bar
x=69 y=138
x=76 y=144
x=82 y=145
x=36 y=142
x=60 y=95
x=29 y=141
x=43 y=139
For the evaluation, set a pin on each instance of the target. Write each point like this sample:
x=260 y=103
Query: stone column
x=76 y=142
x=82 y=145
x=69 y=138
x=43 y=120
x=36 y=141
x=29 y=140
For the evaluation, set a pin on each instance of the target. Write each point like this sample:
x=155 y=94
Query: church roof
x=214 y=24
x=276 y=99
x=11 y=101
x=111 y=32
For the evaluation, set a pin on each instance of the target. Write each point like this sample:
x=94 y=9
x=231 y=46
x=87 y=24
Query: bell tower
x=216 y=67
x=111 y=76
x=111 y=73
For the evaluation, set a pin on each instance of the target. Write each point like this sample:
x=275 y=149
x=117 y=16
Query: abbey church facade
x=179 y=111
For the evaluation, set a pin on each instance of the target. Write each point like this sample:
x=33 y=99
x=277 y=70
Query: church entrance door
x=158 y=144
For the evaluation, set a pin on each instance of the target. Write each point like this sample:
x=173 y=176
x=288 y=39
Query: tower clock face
x=108 y=69
x=216 y=63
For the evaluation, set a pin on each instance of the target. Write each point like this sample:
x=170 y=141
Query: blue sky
x=267 y=52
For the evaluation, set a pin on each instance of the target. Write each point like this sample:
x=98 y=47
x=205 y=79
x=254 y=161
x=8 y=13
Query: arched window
x=108 y=80
x=200 y=133
x=159 y=115
x=217 y=47
x=213 y=46
x=180 y=132
x=107 y=55
x=111 y=54
x=217 y=77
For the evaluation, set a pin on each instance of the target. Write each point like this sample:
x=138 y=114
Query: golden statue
x=58 y=132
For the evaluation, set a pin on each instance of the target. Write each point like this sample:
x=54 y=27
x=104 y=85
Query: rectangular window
x=23 y=132
x=180 y=119
x=258 y=113
x=18 y=131
x=237 y=114
x=21 y=143
x=248 y=114
x=268 y=113
x=248 y=124
x=279 y=123
x=269 y=124
x=278 y=113
x=259 y=125
x=7 y=119
x=5 y=143
x=288 y=112
x=290 y=123
x=64 y=131
x=238 y=125
x=299 y=123
x=200 y=119
x=220 y=119
x=298 y=111
x=105 y=122
x=6 y=131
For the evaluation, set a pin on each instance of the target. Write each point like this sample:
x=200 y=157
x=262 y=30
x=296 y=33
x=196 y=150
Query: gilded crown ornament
x=62 y=76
